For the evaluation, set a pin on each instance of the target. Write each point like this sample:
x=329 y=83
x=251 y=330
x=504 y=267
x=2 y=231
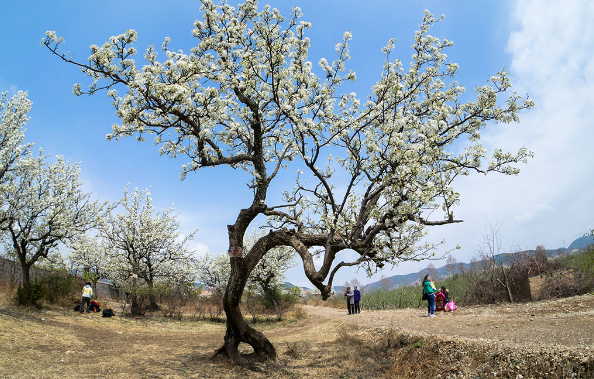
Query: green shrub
x=58 y=286
x=30 y=294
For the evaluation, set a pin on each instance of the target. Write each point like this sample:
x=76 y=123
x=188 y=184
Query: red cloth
x=94 y=306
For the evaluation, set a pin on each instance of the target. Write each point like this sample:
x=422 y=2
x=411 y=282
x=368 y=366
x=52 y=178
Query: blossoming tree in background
x=267 y=276
x=13 y=150
x=87 y=257
x=144 y=247
x=213 y=272
x=371 y=176
x=269 y=273
x=45 y=206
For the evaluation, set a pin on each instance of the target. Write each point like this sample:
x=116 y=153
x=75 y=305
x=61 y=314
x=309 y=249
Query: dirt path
x=559 y=323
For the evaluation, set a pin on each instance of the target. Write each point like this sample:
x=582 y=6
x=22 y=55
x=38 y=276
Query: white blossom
x=142 y=242
x=45 y=206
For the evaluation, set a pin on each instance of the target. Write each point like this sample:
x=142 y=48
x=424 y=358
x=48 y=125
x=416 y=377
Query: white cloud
x=540 y=210
x=553 y=44
x=201 y=249
x=551 y=50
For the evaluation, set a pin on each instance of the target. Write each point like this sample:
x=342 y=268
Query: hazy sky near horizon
x=547 y=46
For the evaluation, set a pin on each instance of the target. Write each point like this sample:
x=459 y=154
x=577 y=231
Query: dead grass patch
x=60 y=343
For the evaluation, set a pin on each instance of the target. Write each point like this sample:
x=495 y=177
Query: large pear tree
x=372 y=174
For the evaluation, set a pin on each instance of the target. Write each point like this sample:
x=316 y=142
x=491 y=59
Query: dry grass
x=52 y=343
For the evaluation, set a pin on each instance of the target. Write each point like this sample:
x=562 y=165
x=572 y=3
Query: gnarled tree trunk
x=238 y=330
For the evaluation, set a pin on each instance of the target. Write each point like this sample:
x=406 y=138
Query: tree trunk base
x=263 y=349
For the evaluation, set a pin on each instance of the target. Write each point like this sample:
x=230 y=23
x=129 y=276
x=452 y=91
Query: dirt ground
x=489 y=341
x=559 y=323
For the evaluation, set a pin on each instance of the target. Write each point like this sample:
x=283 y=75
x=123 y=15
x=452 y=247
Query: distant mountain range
x=408 y=279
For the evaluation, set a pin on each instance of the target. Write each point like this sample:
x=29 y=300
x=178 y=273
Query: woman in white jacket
x=86 y=298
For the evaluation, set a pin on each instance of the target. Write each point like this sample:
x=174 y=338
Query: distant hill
x=408 y=279
x=581 y=243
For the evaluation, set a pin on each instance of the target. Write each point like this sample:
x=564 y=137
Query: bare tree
x=496 y=264
x=356 y=283
x=452 y=265
x=431 y=270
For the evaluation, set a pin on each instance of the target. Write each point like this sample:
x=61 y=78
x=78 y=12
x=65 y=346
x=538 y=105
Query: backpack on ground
x=94 y=306
x=77 y=308
x=108 y=313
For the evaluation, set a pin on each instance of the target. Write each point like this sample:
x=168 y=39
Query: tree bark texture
x=25 y=274
x=238 y=330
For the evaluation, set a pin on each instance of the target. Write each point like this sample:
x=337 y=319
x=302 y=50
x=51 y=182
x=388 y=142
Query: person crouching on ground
x=446 y=294
x=86 y=298
x=357 y=298
x=350 y=301
x=429 y=289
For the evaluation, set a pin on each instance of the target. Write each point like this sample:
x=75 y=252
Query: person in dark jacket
x=446 y=294
x=349 y=300
x=357 y=298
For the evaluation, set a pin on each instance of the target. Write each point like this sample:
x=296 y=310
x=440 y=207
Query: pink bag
x=451 y=306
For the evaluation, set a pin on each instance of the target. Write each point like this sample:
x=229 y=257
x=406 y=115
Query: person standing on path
x=357 y=300
x=429 y=290
x=86 y=298
x=350 y=301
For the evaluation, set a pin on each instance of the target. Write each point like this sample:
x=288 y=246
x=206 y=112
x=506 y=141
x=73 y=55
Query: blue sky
x=547 y=46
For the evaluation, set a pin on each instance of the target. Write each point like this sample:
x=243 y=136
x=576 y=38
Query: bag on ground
x=451 y=306
x=108 y=313
x=95 y=306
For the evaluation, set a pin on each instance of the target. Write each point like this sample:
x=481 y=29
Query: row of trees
x=127 y=242
x=491 y=281
x=44 y=207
